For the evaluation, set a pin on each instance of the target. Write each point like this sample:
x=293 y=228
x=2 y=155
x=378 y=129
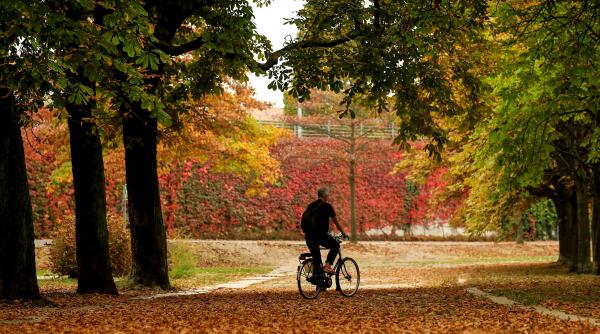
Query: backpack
x=307 y=222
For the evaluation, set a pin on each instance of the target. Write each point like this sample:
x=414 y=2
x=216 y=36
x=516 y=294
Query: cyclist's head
x=323 y=193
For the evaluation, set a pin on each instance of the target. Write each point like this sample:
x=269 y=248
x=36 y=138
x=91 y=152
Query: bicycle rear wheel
x=307 y=289
x=347 y=277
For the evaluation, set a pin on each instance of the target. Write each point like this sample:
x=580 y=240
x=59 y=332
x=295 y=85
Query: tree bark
x=17 y=251
x=563 y=244
x=93 y=257
x=571 y=232
x=596 y=234
x=520 y=234
x=596 y=221
x=148 y=237
x=583 y=223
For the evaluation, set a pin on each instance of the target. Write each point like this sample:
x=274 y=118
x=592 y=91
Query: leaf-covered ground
x=429 y=281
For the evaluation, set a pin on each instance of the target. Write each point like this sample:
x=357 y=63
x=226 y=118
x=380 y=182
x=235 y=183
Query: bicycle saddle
x=305 y=256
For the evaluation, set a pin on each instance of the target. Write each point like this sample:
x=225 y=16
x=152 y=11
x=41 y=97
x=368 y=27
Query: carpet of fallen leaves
x=428 y=295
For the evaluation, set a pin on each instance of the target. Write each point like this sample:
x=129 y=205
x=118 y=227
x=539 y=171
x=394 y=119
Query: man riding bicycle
x=316 y=233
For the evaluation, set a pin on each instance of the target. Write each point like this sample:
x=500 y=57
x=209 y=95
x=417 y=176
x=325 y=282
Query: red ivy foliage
x=214 y=205
x=46 y=144
x=200 y=203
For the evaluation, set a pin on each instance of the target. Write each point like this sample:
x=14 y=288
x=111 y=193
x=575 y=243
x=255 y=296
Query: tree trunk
x=93 y=259
x=17 y=251
x=583 y=223
x=520 y=237
x=352 y=179
x=596 y=234
x=148 y=237
x=596 y=221
x=571 y=232
x=563 y=244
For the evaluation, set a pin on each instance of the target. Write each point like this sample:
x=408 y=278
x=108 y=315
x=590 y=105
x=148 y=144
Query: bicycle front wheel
x=307 y=289
x=347 y=277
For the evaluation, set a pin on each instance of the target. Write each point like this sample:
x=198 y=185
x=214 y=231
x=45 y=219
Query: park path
x=288 y=272
x=282 y=271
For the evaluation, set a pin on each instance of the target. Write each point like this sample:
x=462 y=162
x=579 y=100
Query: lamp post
x=124 y=207
x=299 y=116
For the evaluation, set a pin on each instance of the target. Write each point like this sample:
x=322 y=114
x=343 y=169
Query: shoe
x=327 y=268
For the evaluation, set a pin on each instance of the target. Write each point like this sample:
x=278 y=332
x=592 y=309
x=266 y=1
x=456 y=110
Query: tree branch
x=177 y=50
x=273 y=58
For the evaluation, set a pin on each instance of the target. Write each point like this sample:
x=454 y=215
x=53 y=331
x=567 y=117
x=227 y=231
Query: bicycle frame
x=324 y=280
x=339 y=260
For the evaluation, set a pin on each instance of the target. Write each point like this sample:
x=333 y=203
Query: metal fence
x=332 y=129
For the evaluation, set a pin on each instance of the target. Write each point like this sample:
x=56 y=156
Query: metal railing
x=331 y=129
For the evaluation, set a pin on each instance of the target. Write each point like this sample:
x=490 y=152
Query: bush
x=63 y=259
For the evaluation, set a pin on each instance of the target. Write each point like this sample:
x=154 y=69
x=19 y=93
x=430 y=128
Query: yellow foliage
x=218 y=130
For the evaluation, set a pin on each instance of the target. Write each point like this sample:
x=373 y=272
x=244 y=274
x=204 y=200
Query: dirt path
x=283 y=271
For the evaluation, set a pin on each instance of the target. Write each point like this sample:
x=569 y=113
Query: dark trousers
x=313 y=241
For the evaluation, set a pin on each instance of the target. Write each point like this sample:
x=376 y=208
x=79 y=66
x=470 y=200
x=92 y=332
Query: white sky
x=270 y=22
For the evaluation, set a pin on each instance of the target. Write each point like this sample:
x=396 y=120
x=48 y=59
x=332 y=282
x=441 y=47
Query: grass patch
x=216 y=275
x=563 y=294
x=57 y=283
x=185 y=272
x=64 y=282
x=183 y=261
x=44 y=272
x=522 y=297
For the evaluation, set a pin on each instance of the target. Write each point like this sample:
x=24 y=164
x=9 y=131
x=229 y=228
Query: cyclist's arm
x=337 y=224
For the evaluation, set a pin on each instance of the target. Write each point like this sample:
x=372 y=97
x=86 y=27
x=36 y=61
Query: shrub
x=63 y=259
x=120 y=247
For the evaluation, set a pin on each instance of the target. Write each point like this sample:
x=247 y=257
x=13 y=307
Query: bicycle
x=347 y=275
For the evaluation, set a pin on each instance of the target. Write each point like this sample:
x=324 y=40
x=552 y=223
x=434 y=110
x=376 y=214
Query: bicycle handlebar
x=340 y=237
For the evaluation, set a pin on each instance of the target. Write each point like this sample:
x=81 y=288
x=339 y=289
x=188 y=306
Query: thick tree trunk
x=596 y=221
x=93 y=259
x=571 y=232
x=583 y=224
x=596 y=234
x=148 y=237
x=17 y=251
